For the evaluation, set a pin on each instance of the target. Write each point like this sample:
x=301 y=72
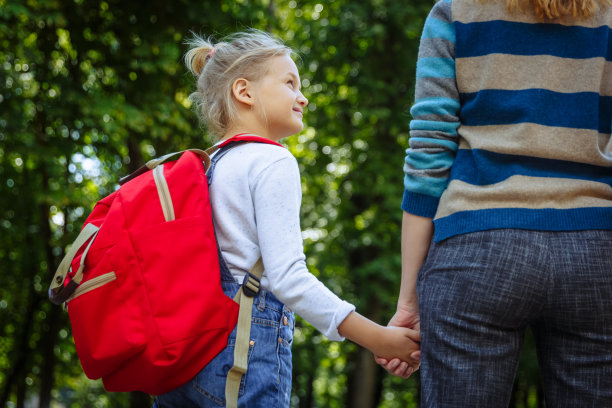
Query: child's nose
x=302 y=100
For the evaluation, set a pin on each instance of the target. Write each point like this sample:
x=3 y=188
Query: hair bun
x=197 y=56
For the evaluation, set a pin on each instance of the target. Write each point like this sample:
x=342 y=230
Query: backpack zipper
x=164 y=192
x=92 y=284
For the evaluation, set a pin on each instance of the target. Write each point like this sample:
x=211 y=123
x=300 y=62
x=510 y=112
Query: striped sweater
x=512 y=121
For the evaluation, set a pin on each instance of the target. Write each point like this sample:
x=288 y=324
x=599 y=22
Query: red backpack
x=142 y=282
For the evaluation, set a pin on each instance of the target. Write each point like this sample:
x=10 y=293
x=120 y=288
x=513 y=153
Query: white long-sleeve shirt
x=256 y=197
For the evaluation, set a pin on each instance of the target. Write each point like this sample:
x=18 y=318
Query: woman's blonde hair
x=554 y=9
x=217 y=66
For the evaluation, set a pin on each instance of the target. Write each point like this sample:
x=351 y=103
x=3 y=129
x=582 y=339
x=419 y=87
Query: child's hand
x=399 y=351
x=388 y=343
x=398 y=342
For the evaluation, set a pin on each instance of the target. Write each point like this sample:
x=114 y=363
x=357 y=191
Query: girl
x=250 y=84
x=511 y=156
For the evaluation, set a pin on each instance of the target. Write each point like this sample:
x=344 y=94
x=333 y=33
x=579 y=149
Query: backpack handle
x=58 y=292
x=153 y=163
x=204 y=154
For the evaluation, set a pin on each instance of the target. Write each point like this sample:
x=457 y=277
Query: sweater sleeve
x=277 y=196
x=433 y=130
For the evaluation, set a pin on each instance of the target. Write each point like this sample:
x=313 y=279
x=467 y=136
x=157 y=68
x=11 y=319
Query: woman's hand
x=416 y=236
x=405 y=316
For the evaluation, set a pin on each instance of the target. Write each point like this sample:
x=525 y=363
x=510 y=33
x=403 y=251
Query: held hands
x=397 y=343
x=399 y=350
x=407 y=316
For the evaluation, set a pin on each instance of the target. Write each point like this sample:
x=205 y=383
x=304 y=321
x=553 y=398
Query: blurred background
x=92 y=89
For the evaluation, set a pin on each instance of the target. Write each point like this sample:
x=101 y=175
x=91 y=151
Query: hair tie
x=211 y=53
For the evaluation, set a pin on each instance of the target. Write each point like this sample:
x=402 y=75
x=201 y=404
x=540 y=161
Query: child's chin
x=294 y=131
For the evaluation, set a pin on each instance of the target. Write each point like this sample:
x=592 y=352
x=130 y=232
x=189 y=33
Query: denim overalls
x=267 y=382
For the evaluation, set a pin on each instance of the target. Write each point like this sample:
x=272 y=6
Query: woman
x=511 y=157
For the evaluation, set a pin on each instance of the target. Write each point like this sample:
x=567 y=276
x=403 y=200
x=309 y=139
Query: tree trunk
x=20 y=354
x=134 y=154
x=49 y=339
x=139 y=400
x=309 y=400
x=21 y=394
x=47 y=374
x=18 y=367
x=363 y=381
x=365 y=376
x=540 y=394
x=307 y=396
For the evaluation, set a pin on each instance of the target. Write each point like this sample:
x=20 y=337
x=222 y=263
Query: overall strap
x=245 y=295
x=221 y=150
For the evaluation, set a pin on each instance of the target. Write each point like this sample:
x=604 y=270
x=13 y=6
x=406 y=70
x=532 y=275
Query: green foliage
x=93 y=88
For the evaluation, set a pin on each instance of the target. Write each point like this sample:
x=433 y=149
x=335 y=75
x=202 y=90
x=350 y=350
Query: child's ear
x=243 y=91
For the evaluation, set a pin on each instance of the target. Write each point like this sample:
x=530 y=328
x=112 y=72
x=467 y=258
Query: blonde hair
x=217 y=66
x=555 y=9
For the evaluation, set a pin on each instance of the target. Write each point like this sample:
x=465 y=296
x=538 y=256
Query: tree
x=94 y=88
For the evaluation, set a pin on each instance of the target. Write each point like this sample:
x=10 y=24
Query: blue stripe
x=575 y=219
x=434 y=126
x=532 y=39
x=432 y=67
x=583 y=110
x=442 y=142
x=605 y=114
x=481 y=167
x=428 y=160
x=429 y=186
x=420 y=204
x=436 y=106
x=435 y=28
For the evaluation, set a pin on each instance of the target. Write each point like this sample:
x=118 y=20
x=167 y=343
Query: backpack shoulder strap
x=244 y=296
